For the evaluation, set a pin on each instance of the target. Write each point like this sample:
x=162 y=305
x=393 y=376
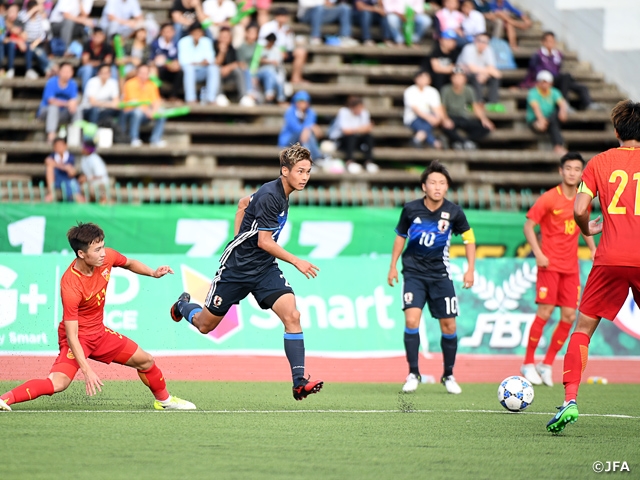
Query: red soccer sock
x=29 y=391
x=557 y=341
x=534 y=337
x=154 y=379
x=575 y=362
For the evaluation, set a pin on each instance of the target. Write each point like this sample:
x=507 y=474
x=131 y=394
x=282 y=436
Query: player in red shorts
x=82 y=333
x=614 y=176
x=558 y=282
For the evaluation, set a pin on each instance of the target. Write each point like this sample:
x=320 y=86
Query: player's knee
x=205 y=328
x=60 y=382
x=569 y=317
x=146 y=362
x=292 y=319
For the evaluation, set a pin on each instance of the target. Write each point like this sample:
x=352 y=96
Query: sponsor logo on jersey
x=542 y=292
x=408 y=298
x=417 y=220
x=443 y=225
x=445 y=215
x=106 y=273
x=217 y=301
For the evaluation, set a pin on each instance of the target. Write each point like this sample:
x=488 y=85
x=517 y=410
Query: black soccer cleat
x=176 y=316
x=306 y=388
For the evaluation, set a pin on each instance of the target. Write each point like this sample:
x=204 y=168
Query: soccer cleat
x=174 y=403
x=411 y=383
x=176 y=316
x=529 y=372
x=568 y=414
x=451 y=385
x=545 y=372
x=306 y=388
x=4 y=406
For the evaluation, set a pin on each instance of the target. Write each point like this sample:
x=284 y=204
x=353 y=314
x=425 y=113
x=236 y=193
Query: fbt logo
x=505 y=330
x=10 y=298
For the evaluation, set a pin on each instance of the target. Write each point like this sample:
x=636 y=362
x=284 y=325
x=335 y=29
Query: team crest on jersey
x=70 y=355
x=542 y=293
x=106 y=273
x=443 y=225
x=445 y=215
x=408 y=298
x=217 y=301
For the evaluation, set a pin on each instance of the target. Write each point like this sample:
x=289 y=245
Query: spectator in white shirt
x=474 y=22
x=423 y=111
x=69 y=18
x=286 y=42
x=320 y=12
x=220 y=13
x=197 y=59
x=101 y=96
x=396 y=18
x=479 y=63
x=121 y=17
x=94 y=172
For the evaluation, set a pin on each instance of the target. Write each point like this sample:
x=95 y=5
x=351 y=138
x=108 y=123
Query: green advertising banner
x=347 y=311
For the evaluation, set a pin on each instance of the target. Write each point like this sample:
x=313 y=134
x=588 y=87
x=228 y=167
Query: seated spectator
x=319 y=12
x=450 y=19
x=121 y=17
x=474 y=22
x=270 y=71
x=442 y=59
x=352 y=130
x=504 y=15
x=220 y=13
x=141 y=89
x=300 y=125
x=96 y=52
x=479 y=63
x=60 y=174
x=164 y=55
x=68 y=19
x=94 y=172
x=549 y=58
x=546 y=108
x=244 y=53
x=15 y=40
x=286 y=42
x=183 y=14
x=395 y=15
x=101 y=96
x=368 y=13
x=35 y=29
x=197 y=60
x=230 y=68
x=136 y=52
x=59 y=100
x=423 y=111
x=457 y=99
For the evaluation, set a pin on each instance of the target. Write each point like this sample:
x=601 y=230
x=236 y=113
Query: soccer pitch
x=257 y=430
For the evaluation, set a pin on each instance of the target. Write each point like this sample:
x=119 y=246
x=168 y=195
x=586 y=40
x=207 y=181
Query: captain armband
x=582 y=188
x=468 y=237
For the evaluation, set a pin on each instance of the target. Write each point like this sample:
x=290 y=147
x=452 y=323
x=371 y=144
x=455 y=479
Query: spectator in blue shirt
x=164 y=55
x=59 y=101
x=300 y=125
x=61 y=174
x=505 y=15
x=197 y=59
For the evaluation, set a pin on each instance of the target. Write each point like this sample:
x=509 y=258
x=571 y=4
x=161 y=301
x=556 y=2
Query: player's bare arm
x=140 y=268
x=92 y=381
x=532 y=238
x=269 y=245
x=243 y=203
x=581 y=215
x=469 y=241
x=398 y=247
x=591 y=244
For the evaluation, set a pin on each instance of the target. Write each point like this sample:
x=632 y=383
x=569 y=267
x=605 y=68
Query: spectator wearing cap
x=94 y=172
x=285 y=40
x=320 y=12
x=423 y=111
x=396 y=19
x=101 y=96
x=474 y=22
x=457 y=99
x=367 y=13
x=164 y=55
x=506 y=16
x=478 y=61
x=546 y=109
x=442 y=59
x=121 y=17
x=61 y=173
x=300 y=125
x=197 y=60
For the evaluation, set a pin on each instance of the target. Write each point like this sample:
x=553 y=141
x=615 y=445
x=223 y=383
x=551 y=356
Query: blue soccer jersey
x=267 y=210
x=429 y=236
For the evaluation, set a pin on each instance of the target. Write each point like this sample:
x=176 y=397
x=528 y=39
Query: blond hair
x=294 y=154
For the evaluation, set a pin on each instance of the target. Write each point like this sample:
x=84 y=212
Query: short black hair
x=435 y=167
x=65 y=64
x=571 y=156
x=420 y=72
x=195 y=26
x=97 y=30
x=102 y=65
x=271 y=38
x=626 y=120
x=165 y=25
x=59 y=139
x=82 y=235
x=548 y=33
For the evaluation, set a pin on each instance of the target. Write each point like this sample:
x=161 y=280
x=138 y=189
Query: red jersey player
x=558 y=269
x=82 y=333
x=614 y=176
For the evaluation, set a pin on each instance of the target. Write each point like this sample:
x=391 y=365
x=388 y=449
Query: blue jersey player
x=428 y=224
x=249 y=265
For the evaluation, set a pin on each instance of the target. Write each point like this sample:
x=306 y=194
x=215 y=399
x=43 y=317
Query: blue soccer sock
x=294 y=349
x=449 y=345
x=188 y=310
x=412 y=347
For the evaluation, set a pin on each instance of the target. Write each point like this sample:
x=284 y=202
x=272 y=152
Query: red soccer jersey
x=614 y=176
x=83 y=296
x=554 y=213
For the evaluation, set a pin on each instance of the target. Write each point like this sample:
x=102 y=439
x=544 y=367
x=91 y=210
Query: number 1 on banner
x=28 y=232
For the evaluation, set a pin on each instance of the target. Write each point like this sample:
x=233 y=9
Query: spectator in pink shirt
x=450 y=18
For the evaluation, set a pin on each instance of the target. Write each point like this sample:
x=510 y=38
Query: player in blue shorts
x=249 y=265
x=428 y=223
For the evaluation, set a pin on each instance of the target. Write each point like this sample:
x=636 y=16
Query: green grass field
x=355 y=431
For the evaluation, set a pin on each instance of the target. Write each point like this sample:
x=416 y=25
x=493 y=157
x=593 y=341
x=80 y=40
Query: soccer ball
x=515 y=393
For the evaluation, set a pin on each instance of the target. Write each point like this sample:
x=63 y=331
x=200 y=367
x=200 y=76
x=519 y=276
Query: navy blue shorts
x=438 y=293
x=227 y=289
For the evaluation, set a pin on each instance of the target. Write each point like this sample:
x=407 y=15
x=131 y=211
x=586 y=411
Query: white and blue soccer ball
x=515 y=393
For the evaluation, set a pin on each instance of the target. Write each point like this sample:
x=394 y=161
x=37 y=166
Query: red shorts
x=558 y=289
x=104 y=347
x=607 y=289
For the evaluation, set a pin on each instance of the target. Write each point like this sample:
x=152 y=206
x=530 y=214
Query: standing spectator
x=183 y=14
x=442 y=59
x=60 y=173
x=220 y=13
x=94 y=172
x=395 y=14
x=479 y=63
x=269 y=73
x=35 y=28
x=230 y=67
x=59 y=100
x=197 y=60
x=300 y=125
x=68 y=20
x=504 y=15
x=320 y=12
x=457 y=99
x=352 y=130
x=101 y=96
x=96 y=52
x=286 y=42
x=474 y=22
x=164 y=55
x=450 y=19
x=368 y=13
x=423 y=111
x=549 y=58
x=141 y=89
x=245 y=56
x=121 y=17
x=546 y=108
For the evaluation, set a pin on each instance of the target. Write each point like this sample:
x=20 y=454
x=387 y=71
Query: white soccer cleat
x=545 y=372
x=529 y=372
x=4 y=406
x=451 y=385
x=411 y=384
x=174 y=403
